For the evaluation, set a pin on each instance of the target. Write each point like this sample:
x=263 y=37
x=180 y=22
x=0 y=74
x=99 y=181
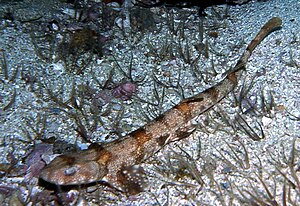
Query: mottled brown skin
x=108 y=162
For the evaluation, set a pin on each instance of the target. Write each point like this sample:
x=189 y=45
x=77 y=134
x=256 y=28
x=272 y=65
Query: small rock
x=266 y=121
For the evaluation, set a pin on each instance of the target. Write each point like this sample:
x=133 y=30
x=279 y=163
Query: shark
x=116 y=162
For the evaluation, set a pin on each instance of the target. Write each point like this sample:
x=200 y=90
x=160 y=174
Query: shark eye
x=70 y=171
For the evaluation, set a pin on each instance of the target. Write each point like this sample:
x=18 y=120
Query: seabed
x=58 y=90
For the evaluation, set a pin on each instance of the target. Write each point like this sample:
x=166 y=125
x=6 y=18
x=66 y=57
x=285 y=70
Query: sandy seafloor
x=224 y=162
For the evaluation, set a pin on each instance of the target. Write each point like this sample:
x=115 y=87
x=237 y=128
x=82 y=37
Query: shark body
x=114 y=162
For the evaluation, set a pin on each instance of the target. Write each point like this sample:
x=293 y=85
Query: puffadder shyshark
x=114 y=162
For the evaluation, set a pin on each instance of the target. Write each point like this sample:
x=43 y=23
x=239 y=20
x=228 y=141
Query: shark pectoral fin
x=130 y=180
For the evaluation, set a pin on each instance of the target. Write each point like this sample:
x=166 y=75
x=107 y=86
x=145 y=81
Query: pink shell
x=124 y=91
